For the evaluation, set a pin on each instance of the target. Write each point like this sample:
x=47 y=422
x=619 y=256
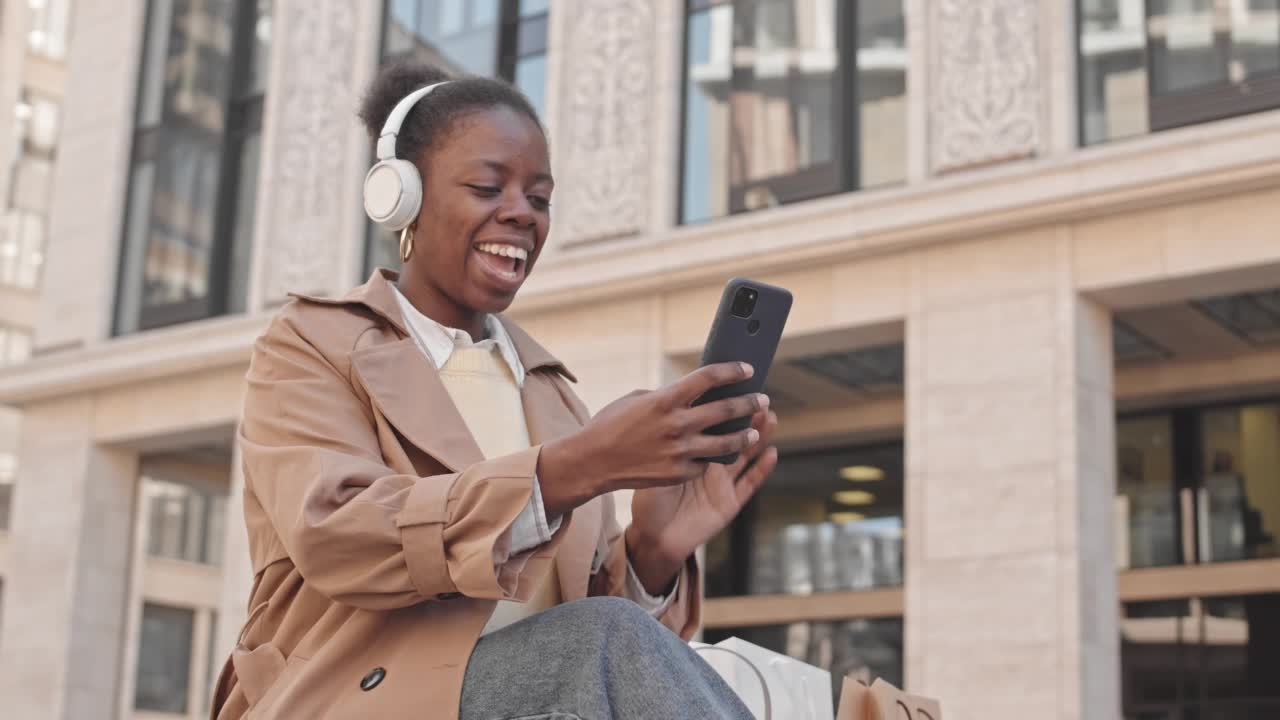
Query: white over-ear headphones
x=393 y=188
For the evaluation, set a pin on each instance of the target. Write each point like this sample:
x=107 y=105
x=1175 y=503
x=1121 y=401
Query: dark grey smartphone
x=747 y=328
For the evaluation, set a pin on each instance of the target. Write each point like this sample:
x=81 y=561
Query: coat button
x=371 y=680
x=448 y=595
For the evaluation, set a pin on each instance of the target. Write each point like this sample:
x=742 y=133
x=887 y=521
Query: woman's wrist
x=560 y=478
x=655 y=566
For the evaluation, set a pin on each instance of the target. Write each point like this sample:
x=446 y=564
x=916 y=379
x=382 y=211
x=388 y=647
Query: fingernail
x=747 y=369
x=753 y=436
x=764 y=401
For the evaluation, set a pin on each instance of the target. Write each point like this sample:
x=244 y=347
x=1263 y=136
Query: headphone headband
x=391 y=129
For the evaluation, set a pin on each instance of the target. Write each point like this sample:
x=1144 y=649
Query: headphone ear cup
x=393 y=193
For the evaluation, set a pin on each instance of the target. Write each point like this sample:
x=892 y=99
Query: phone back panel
x=731 y=340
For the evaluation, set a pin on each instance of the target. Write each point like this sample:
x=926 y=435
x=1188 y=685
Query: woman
x=427 y=500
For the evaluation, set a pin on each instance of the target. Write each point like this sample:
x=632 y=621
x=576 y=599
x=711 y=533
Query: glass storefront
x=826 y=520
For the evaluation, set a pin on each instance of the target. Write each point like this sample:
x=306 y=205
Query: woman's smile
x=504 y=262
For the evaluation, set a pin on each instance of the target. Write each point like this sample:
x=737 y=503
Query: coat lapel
x=550 y=416
x=406 y=388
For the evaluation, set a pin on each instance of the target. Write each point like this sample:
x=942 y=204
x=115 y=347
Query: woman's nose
x=517 y=210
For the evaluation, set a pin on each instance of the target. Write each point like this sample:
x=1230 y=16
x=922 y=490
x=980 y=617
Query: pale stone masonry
x=999 y=265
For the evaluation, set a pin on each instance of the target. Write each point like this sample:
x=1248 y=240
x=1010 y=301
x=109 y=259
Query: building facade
x=1029 y=390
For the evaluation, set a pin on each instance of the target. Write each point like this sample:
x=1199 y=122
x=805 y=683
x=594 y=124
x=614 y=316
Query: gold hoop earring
x=406 y=244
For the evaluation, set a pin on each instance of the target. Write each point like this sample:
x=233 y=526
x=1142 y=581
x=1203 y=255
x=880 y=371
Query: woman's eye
x=539 y=202
x=486 y=190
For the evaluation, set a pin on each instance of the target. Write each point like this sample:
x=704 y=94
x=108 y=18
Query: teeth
x=510 y=251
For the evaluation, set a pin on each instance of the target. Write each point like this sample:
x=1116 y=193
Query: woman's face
x=486 y=194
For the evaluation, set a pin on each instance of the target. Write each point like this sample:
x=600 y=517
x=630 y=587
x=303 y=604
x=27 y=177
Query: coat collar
x=379 y=295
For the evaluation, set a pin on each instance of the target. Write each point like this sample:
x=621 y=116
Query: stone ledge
x=148 y=355
x=1160 y=169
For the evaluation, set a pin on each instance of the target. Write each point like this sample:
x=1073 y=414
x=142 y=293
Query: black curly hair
x=432 y=118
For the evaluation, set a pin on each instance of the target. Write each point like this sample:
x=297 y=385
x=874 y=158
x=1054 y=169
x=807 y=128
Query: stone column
x=1011 y=607
x=309 y=230
x=91 y=173
x=70 y=549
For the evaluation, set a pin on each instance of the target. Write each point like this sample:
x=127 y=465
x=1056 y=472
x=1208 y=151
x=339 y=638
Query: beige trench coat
x=372 y=518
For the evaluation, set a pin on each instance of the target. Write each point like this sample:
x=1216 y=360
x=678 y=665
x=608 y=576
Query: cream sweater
x=486 y=394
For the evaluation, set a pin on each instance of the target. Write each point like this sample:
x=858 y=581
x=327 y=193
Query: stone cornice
x=1177 y=166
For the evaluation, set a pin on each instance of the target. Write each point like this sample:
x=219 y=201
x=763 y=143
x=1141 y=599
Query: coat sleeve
x=684 y=615
x=357 y=531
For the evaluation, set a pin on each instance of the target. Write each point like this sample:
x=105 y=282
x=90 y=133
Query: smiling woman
x=429 y=504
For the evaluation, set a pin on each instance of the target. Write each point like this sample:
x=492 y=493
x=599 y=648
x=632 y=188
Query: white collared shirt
x=531 y=527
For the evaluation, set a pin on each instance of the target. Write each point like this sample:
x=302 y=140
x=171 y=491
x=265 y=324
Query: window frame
x=507 y=57
x=242 y=117
x=732 y=611
x=1205 y=578
x=842 y=174
x=1170 y=110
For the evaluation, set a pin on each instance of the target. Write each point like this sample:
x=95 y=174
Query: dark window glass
x=185 y=524
x=502 y=38
x=188 y=220
x=1198 y=485
x=1210 y=659
x=863 y=649
x=829 y=520
x=787 y=100
x=1238 y=505
x=164 y=659
x=1147 y=506
x=186 y=494
x=1164 y=63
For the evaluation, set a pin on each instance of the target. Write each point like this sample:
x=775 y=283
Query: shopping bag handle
x=764 y=686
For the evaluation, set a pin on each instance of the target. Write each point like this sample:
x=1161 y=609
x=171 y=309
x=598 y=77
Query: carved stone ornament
x=605 y=121
x=309 y=138
x=984 y=82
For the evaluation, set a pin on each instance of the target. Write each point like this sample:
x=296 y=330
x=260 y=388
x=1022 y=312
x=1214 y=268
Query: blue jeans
x=595 y=659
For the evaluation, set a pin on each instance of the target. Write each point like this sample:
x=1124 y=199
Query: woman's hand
x=669 y=523
x=648 y=440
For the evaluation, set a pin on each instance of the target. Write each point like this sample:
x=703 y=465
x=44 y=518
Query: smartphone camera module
x=744 y=302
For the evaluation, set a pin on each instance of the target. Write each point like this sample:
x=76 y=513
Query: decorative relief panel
x=984 y=82
x=605 y=121
x=308 y=199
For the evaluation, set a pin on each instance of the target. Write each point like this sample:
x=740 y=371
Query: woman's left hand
x=669 y=523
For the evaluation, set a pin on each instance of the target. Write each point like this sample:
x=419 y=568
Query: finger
x=708 y=446
x=765 y=422
x=750 y=481
x=713 y=413
x=694 y=385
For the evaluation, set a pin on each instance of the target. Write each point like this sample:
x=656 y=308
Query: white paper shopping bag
x=771 y=685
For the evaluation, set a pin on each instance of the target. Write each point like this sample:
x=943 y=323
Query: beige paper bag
x=883 y=701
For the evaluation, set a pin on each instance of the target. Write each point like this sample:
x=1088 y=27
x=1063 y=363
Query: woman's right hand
x=647 y=439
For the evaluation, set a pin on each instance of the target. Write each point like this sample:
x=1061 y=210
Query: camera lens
x=744 y=302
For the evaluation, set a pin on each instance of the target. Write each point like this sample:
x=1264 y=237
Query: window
x=15 y=345
x=827 y=520
x=189 y=214
x=863 y=649
x=49 y=23
x=1199 y=485
x=21 y=249
x=185 y=523
x=786 y=100
x=1149 y=65
x=1201 y=657
x=502 y=38
x=164 y=659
